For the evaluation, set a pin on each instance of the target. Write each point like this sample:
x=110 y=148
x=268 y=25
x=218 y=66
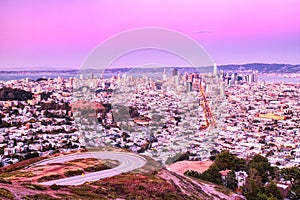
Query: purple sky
x=61 y=34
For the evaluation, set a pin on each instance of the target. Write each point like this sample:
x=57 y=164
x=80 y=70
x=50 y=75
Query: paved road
x=127 y=161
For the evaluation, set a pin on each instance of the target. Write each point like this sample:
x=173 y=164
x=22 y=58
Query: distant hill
x=260 y=67
x=7 y=94
x=263 y=68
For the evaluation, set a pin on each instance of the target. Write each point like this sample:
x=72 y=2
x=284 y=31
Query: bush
x=55 y=187
x=226 y=160
x=73 y=173
x=192 y=173
x=34 y=186
x=49 y=178
x=96 y=168
x=211 y=175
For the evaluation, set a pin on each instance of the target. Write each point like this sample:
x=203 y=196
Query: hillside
x=145 y=183
x=163 y=185
x=263 y=68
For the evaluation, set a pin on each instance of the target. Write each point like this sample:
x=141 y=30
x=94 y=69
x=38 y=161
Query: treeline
x=262 y=177
x=10 y=94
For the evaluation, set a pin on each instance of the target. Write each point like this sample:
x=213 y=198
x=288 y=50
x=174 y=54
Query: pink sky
x=62 y=33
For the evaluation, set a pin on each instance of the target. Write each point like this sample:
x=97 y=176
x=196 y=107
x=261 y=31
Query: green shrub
x=34 y=186
x=96 y=168
x=55 y=187
x=49 y=178
x=73 y=173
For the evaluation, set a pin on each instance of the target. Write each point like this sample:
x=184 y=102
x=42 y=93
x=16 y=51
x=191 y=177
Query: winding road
x=127 y=162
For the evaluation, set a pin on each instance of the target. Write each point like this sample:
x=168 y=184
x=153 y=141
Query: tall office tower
x=153 y=86
x=74 y=83
x=230 y=83
x=185 y=76
x=222 y=74
x=119 y=77
x=222 y=89
x=164 y=75
x=190 y=78
x=251 y=78
x=174 y=72
x=71 y=81
x=195 y=75
x=189 y=86
x=124 y=77
x=232 y=77
x=59 y=80
x=235 y=76
x=101 y=75
x=256 y=76
x=215 y=70
x=92 y=75
x=176 y=80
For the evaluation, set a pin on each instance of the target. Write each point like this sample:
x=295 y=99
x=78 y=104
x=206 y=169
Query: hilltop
x=149 y=182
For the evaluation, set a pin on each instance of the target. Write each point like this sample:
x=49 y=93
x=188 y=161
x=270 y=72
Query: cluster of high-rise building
x=232 y=78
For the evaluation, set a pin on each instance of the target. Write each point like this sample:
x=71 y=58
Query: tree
x=253 y=189
x=32 y=154
x=212 y=158
x=231 y=181
x=1 y=150
x=214 y=152
x=192 y=173
x=263 y=167
x=226 y=160
x=293 y=174
x=272 y=191
x=212 y=174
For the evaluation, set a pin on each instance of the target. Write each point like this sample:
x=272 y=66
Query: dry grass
x=20 y=165
x=4 y=193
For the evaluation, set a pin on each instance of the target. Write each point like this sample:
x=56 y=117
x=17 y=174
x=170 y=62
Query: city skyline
x=61 y=35
x=195 y=99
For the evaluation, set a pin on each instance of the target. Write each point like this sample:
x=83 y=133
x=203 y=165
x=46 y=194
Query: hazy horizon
x=120 y=67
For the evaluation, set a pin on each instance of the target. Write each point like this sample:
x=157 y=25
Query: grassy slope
x=150 y=182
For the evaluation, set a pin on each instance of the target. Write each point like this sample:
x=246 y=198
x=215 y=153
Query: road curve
x=127 y=162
